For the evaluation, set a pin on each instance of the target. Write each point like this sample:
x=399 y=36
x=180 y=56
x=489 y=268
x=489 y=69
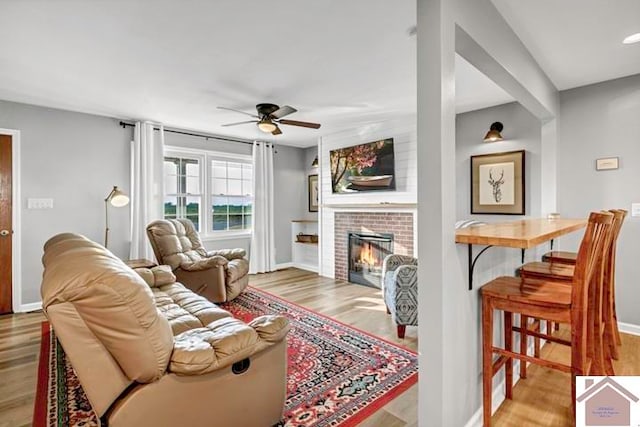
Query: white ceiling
x=340 y=63
x=577 y=42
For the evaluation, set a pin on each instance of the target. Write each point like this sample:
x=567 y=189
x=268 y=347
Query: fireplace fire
x=366 y=254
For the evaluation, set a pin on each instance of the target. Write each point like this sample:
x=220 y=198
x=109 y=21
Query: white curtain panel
x=147 y=159
x=262 y=259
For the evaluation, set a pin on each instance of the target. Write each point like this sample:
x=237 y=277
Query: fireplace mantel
x=381 y=206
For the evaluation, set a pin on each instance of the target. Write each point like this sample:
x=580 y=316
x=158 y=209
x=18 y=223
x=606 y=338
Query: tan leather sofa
x=217 y=275
x=149 y=352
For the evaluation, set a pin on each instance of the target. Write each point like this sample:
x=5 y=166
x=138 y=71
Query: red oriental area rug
x=337 y=375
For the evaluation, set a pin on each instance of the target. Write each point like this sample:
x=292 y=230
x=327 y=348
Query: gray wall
x=290 y=183
x=603 y=120
x=310 y=154
x=522 y=131
x=75 y=159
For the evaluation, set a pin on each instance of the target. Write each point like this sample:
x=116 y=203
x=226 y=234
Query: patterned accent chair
x=400 y=290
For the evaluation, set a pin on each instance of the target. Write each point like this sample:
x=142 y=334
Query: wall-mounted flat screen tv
x=364 y=167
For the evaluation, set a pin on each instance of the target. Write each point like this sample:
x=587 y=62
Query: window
x=194 y=179
x=182 y=195
x=231 y=188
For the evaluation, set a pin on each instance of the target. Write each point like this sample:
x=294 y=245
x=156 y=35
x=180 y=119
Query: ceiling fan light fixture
x=633 y=38
x=266 y=126
x=494 y=132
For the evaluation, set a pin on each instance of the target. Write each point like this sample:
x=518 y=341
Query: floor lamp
x=118 y=199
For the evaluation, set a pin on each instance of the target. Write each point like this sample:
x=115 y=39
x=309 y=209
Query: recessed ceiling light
x=633 y=38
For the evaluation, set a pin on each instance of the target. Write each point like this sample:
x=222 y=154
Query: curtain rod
x=125 y=124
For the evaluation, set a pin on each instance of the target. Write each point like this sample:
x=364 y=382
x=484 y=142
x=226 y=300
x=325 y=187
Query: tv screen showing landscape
x=364 y=167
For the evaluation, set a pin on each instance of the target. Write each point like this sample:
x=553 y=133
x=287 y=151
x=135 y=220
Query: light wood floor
x=540 y=400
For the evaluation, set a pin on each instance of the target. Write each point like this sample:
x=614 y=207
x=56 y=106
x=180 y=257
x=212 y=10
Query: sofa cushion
x=184 y=309
x=224 y=342
x=157 y=276
x=112 y=300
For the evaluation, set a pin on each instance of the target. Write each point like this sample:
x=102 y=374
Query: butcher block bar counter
x=522 y=234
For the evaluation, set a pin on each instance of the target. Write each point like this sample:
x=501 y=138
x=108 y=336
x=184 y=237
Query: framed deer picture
x=497 y=183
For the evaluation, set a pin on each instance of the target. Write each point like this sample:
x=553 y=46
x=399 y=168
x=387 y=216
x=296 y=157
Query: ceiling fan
x=270 y=116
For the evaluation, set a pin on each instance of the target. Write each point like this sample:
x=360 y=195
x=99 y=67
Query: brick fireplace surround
x=398 y=223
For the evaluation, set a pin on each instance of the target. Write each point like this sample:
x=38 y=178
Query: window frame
x=205 y=158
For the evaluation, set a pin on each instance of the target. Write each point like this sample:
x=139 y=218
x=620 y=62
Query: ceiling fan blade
x=297 y=123
x=276 y=132
x=238 y=111
x=285 y=110
x=240 y=123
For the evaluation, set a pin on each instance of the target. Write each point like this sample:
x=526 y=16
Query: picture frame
x=607 y=163
x=363 y=167
x=313 y=193
x=498 y=183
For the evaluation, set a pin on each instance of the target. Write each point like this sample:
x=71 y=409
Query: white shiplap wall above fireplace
x=403 y=132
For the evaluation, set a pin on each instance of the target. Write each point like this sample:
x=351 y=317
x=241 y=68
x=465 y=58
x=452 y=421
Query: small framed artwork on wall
x=497 y=183
x=313 y=193
x=608 y=163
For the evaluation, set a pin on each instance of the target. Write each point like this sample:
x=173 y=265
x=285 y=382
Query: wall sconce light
x=494 y=132
x=118 y=199
x=314 y=164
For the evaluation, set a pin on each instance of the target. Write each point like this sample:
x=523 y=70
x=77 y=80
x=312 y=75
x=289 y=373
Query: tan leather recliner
x=149 y=352
x=219 y=276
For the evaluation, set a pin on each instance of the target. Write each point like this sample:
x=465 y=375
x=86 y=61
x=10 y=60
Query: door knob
x=4 y=232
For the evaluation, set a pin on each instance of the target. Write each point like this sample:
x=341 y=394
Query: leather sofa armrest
x=204 y=264
x=224 y=342
x=229 y=254
x=159 y=275
x=271 y=328
x=237 y=269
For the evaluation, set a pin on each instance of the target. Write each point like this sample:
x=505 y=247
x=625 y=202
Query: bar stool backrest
x=591 y=253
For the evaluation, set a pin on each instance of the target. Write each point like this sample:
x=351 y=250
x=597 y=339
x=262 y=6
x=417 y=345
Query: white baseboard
x=496 y=400
x=308 y=267
x=34 y=306
x=284 y=265
x=628 y=328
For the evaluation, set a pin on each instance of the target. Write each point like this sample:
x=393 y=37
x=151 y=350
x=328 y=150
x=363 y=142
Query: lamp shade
x=494 y=134
x=266 y=126
x=117 y=198
x=314 y=164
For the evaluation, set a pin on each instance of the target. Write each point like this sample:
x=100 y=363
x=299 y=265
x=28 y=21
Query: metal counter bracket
x=472 y=261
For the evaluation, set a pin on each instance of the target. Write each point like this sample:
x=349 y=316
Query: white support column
x=436 y=208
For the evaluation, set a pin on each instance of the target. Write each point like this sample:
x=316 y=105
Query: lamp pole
x=118 y=199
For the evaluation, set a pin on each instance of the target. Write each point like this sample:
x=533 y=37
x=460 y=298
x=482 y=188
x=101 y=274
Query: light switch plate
x=39 y=203
x=635 y=209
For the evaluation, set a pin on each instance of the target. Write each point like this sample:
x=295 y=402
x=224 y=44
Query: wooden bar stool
x=547 y=300
x=560 y=269
x=560 y=257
